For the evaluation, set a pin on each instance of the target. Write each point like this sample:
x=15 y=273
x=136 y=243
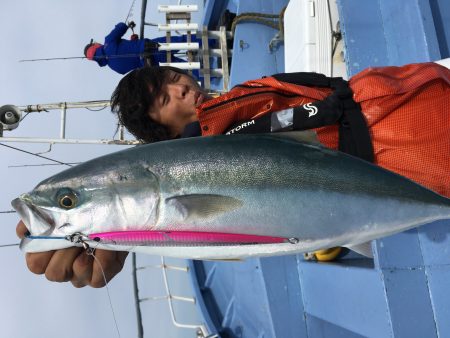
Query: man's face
x=175 y=106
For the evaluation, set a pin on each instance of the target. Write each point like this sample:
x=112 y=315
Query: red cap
x=91 y=50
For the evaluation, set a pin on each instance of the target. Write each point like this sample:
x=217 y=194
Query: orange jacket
x=406 y=108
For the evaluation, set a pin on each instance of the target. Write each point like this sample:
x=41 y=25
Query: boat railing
x=11 y=116
x=203 y=59
x=200 y=328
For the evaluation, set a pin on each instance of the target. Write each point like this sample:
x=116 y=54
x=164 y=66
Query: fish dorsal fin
x=202 y=206
x=306 y=136
x=364 y=249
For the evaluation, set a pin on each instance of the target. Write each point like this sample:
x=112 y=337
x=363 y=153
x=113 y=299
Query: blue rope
x=44 y=237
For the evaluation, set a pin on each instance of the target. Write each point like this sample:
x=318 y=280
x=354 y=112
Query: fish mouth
x=36 y=220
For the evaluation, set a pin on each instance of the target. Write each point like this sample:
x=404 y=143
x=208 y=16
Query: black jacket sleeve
x=338 y=108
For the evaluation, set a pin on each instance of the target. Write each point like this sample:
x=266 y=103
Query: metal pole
x=182 y=65
x=205 y=59
x=168 y=267
x=177 y=8
x=67 y=141
x=63 y=106
x=189 y=27
x=179 y=46
x=179 y=298
x=224 y=57
x=136 y=297
x=121 y=132
x=62 y=133
x=37 y=108
x=171 y=309
x=143 y=9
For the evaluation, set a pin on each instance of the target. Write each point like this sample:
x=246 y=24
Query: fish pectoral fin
x=364 y=249
x=202 y=206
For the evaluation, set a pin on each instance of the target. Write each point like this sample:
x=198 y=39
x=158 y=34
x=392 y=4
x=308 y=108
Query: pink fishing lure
x=182 y=238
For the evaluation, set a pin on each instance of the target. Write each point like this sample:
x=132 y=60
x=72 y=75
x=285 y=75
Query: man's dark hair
x=135 y=94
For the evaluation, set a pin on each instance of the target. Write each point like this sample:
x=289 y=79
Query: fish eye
x=67 y=200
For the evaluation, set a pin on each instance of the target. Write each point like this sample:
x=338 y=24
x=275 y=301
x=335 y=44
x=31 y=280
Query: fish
x=224 y=197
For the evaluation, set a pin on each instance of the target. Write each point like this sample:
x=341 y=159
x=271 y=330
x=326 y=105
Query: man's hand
x=131 y=24
x=73 y=264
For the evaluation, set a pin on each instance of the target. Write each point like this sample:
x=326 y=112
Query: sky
x=31 y=306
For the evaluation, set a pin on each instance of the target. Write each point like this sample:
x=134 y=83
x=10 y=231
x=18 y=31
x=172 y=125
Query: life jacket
x=406 y=111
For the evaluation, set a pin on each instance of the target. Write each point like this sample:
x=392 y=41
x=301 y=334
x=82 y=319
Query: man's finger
x=59 y=268
x=37 y=262
x=110 y=263
x=21 y=229
x=82 y=270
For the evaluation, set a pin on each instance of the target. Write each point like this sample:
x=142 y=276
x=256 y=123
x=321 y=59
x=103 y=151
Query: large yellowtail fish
x=223 y=197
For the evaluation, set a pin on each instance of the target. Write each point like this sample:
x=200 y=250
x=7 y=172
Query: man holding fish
x=402 y=107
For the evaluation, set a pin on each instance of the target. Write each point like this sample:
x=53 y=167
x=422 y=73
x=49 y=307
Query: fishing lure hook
x=77 y=237
x=80 y=238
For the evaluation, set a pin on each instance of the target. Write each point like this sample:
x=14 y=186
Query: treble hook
x=79 y=238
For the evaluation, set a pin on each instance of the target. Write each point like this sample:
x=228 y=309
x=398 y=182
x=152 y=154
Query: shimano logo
x=312 y=110
x=241 y=126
